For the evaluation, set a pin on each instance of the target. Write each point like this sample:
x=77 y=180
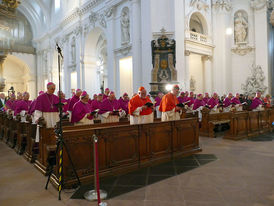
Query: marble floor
x=242 y=174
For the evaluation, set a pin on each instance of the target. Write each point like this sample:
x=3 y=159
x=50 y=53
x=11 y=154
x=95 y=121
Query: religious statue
x=125 y=26
x=240 y=27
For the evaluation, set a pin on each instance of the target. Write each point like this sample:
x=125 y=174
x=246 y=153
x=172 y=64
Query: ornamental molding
x=123 y=50
x=258 y=4
x=222 y=5
x=242 y=50
x=199 y=5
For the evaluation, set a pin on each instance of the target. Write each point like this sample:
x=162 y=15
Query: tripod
x=60 y=140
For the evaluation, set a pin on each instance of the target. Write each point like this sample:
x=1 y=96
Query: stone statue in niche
x=240 y=27
x=73 y=51
x=125 y=25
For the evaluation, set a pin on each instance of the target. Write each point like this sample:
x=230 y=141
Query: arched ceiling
x=38 y=14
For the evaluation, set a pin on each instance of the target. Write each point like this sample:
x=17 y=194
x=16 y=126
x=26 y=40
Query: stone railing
x=194 y=36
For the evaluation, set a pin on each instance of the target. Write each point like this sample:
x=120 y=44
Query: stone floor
x=242 y=175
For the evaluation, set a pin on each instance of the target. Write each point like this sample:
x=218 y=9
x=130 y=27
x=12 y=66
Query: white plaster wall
x=196 y=70
x=241 y=69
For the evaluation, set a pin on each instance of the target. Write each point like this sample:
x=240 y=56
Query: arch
x=17 y=74
x=198 y=20
x=95 y=60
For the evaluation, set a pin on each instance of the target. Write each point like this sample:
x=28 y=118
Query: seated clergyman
x=257 y=103
x=140 y=108
x=81 y=112
x=109 y=111
x=168 y=106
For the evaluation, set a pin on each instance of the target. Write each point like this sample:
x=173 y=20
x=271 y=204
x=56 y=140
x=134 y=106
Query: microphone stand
x=60 y=140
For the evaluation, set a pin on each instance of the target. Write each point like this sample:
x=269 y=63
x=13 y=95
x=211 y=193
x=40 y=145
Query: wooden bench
x=124 y=148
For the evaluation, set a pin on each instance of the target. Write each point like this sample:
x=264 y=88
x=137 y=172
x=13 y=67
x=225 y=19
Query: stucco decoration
x=199 y=4
x=242 y=49
x=255 y=82
x=222 y=4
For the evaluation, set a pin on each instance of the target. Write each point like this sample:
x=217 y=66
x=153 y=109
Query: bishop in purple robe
x=181 y=97
x=206 y=98
x=236 y=100
x=198 y=102
x=74 y=99
x=109 y=104
x=81 y=112
x=191 y=99
x=106 y=94
x=256 y=101
x=123 y=102
x=213 y=101
x=96 y=104
x=11 y=103
x=227 y=102
x=33 y=103
x=23 y=105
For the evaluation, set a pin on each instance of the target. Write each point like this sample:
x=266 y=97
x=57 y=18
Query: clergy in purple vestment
x=106 y=94
x=181 y=97
x=32 y=105
x=46 y=106
x=186 y=97
x=190 y=99
x=11 y=103
x=213 y=101
x=81 y=112
x=109 y=104
x=206 y=98
x=256 y=102
x=47 y=102
x=23 y=105
x=92 y=100
x=158 y=99
x=19 y=96
x=198 y=102
x=227 y=102
x=123 y=102
x=96 y=104
x=74 y=99
x=236 y=100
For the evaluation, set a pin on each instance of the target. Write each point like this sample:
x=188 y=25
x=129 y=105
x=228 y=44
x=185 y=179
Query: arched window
x=57 y=5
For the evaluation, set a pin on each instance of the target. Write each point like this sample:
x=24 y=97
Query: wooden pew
x=209 y=121
x=47 y=139
x=32 y=147
x=124 y=148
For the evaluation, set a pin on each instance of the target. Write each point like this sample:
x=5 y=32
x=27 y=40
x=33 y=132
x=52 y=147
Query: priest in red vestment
x=140 y=108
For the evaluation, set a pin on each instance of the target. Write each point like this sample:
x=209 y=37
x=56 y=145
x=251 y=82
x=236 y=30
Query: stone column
x=222 y=76
x=186 y=72
x=110 y=35
x=179 y=14
x=2 y=80
x=207 y=66
x=78 y=54
x=135 y=25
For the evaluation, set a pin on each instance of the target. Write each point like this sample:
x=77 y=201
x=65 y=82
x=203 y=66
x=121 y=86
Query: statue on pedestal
x=240 y=28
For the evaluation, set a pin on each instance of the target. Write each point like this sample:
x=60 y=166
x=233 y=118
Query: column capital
x=206 y=58
x=187 y=52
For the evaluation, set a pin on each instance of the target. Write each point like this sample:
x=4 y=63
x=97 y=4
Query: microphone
x=59 y=50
